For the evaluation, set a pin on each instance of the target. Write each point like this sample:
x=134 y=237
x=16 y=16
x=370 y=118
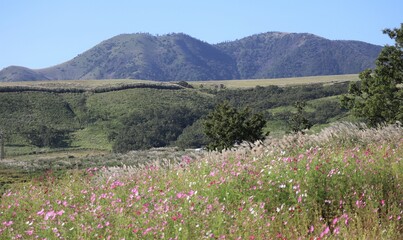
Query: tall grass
x=338 y=184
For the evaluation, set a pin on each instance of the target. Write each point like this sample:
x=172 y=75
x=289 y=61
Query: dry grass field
x=278 y=81
x=246 y=83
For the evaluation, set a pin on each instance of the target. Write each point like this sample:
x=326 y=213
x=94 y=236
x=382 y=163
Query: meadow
x=341 y=183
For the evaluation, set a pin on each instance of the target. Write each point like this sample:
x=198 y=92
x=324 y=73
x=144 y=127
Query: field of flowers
x=343 y=183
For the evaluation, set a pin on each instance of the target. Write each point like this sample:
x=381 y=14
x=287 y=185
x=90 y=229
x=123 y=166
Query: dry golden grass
x=340 y=133
x=250 y=83
x=246 y=83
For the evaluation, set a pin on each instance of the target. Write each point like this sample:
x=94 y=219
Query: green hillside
x=106 y=115
x=88 y=117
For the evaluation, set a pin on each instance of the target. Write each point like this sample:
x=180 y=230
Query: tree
x=153 y=127
x=378 y=97
x=226 y=126
x=298 y=122
x=44 y=136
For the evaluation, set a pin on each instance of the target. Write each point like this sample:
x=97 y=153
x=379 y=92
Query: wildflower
x=311 y=229
x=336 y=231
x=209 y=207
x=59 y=213
x=7 y=224
x=41 y=212
x=360 y=204
x=50 y=214
x=180 y=195
x=93 y=196
x=326 y=231
x=335 y=221
x=29 y=232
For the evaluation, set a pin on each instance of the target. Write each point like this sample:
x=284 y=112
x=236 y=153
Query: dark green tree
x=378 y=97
x=153 y=127
x=226 y=126
x=298 y=122
x=44 y=136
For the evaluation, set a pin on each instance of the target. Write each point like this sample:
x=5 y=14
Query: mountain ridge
x=178 y=56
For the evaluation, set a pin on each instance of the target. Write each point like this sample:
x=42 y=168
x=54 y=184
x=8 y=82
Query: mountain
x=276 y=55
x=178 y=56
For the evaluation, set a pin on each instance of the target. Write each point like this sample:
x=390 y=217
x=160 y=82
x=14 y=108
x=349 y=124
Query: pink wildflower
x=8 y=223
x=335 y=221
x=50 y=214
x=311 y=229
x=93 y=196
x=40 y=213
x=147 y=231
x=180 y=195
x=29 y=232
x=59 y=213
x=326 y=231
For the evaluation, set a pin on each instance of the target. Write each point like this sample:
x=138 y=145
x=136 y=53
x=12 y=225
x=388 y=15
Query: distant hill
x=175 y=57
x=275 y=55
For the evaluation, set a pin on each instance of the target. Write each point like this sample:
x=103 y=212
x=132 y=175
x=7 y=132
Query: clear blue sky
x=42 y=33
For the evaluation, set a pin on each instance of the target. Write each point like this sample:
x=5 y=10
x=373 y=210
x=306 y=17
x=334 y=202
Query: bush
x=226 y=126
x=44 y=136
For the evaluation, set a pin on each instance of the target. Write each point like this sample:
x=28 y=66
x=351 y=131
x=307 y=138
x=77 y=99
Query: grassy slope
x=90 y=115
x=343 y=183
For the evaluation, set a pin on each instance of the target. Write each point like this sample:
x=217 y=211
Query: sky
x=43 y=33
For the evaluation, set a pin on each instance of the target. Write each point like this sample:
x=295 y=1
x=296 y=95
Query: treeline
x=94 y=90
x=263 y=98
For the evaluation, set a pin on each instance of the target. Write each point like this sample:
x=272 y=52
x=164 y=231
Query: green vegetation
x=155 y=127
x=226 y=126
x=343 y=183
x=100 y=115
x=378 y=97
x=298 y=121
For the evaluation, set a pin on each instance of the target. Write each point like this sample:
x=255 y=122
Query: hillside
x=175 y=57
x=274 y=54
x=106 y=115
